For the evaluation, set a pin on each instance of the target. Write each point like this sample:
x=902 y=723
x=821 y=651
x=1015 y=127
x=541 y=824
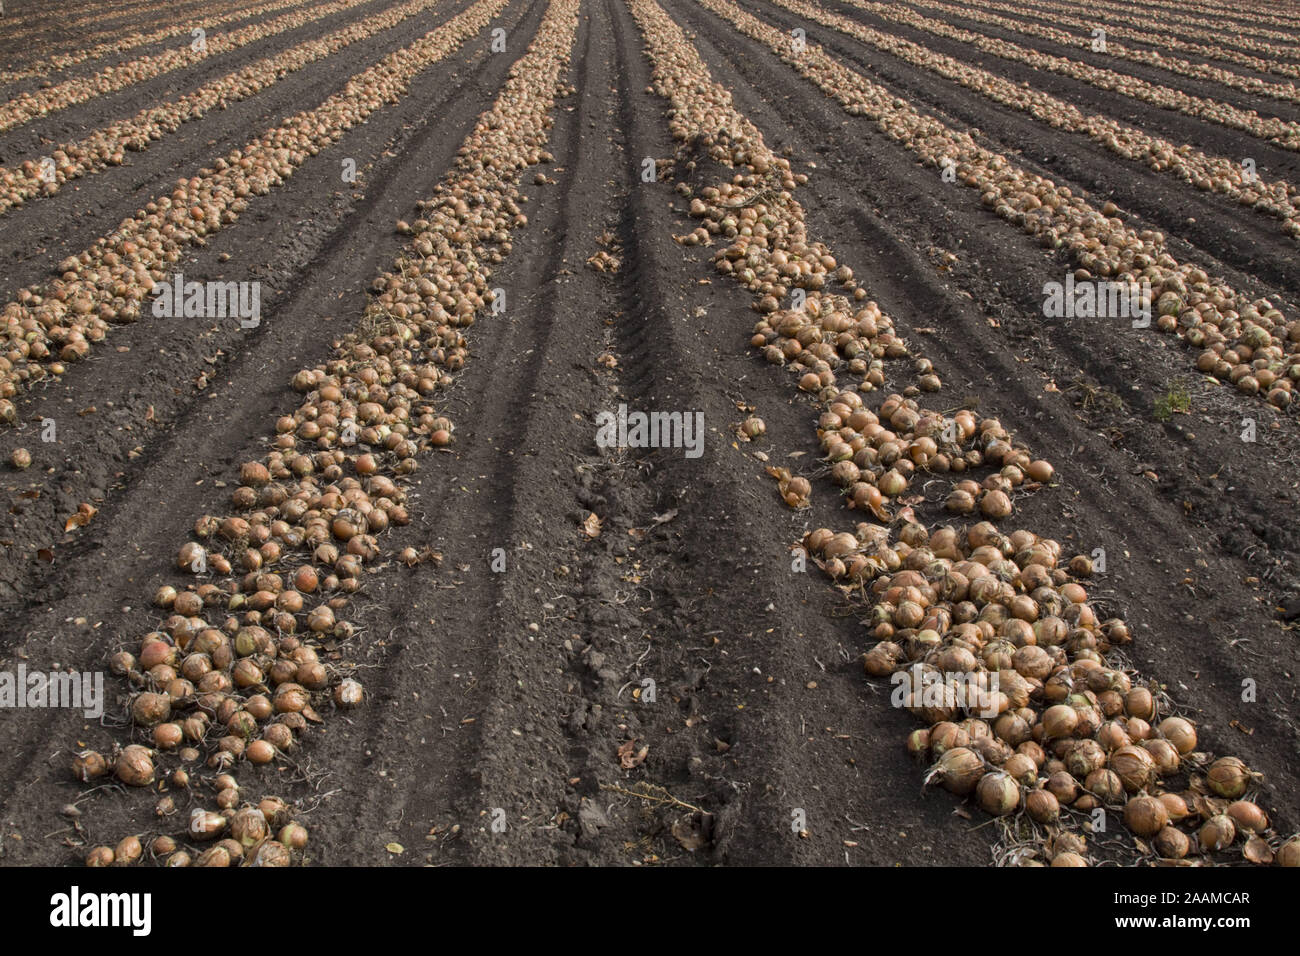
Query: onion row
x=34 y=20
x=1280 y=132
x=1155 y=58
x=1220 y=174
x=47 y=326
x=124 y=40
x=1251 y=342
x=379 y=381
x=27 y=106
x=1277 y=43
x=1279 y=15
x=108 y=146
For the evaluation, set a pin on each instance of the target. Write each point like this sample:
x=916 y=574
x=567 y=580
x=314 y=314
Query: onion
x=958 y=771
x=1063 y=786
x=348 y=693
x=148 y=709
x=89 y=765
x=1069 y=859
x=1179 y=732
x=128 y=851
x=1217 y=833
x=1084 y=757
x=1135 y=768
x=100 y=856
x=1042 y=806
x=1176 y=806
x=134 y=766
x=217 y=856
x=945 y=735
x=275 y=810
x=1228 y=777
x=883 y=659
x=1145 y=816
x=206 y=825
x=168 y=736
x=1171 y=843
x=1059 y=720
x=1139 y=703
x=1288 y=854
x=1022 y=769
x=260 y=752
x=249 y=826
x=162 y=846
x=1105 y=785
x=270 y=853
x=293 y=835
x=997 y=793
x=1247 y=816
x=918 y=743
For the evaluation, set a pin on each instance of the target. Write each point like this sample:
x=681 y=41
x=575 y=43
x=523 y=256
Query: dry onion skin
x=975 y=601
x=246 y=669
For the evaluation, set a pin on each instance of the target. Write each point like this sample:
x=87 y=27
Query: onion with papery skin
x=206 y=825
x=128 y=851
x=918 y=743
x=259 y=752
x=216 y=856
x=1228 y=777
x=997 y=793
x=1083 y=758
x=1145 y=816
x=1139 y=703
x=348 y=694
x=1176 y=805
x=1171 y=843
x=1179 y=732
x=89 y=765
x=1042 y=806
x=1105 y=785
x=1022 y=769
x=1135 y=768
x=134 y=766
x=293 y=835
x=148 y=709
x=1288 y=854
x=1063 y=786
x=275 y=810
x=270 y=853
x=1217 y=833
x=100 y=856
x=958 y=771
x=1059 y=720
x=1165 y=755
x=1247 y=816
x=249 y=826
x=1069 y=859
